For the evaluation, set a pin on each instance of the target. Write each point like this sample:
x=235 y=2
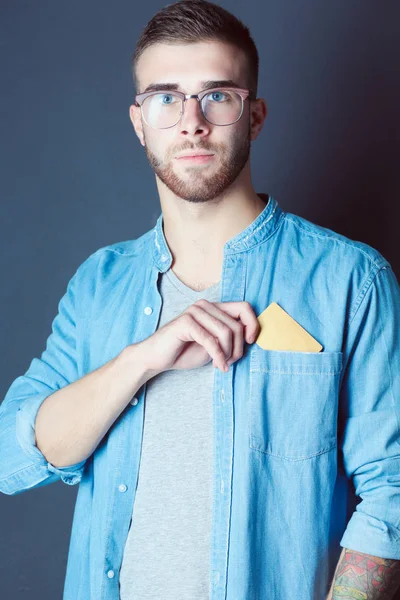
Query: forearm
x=72 y=421
x=364 y=577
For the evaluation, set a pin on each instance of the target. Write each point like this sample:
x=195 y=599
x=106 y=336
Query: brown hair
x=190 y=21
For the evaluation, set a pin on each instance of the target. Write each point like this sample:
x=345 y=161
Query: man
x=211 y=466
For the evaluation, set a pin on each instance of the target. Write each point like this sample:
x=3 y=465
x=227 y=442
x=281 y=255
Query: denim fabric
x=293 y=432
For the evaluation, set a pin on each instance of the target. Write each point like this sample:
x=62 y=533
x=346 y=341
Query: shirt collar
x=259 y=230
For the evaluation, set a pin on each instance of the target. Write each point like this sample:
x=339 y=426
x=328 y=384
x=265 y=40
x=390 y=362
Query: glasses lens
x=162 y=110
x=222 y=107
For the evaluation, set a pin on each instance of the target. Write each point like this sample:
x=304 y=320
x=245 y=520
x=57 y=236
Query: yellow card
x=279 y=331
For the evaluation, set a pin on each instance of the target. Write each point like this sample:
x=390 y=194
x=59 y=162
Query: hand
x=204 y=331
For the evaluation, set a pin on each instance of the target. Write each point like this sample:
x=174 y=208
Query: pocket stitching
x=292 y=458
x=302 y=372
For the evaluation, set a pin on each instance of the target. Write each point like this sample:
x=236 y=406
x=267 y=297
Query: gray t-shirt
x=167 y=552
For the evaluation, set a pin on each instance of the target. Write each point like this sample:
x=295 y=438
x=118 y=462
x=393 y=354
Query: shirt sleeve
x=22 y=464
x=369 y=417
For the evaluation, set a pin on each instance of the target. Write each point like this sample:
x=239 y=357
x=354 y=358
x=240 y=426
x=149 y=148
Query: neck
x=197 y=232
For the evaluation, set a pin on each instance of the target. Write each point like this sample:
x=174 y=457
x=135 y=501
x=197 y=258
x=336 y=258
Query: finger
x=214 y=325
x=244 y=312
x=190 y=330
x=236 y=328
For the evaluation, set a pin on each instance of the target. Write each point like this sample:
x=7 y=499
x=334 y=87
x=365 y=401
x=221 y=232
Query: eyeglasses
x=219 y=106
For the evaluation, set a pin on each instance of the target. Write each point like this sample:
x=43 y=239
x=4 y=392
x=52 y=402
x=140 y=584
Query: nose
x=193 y=121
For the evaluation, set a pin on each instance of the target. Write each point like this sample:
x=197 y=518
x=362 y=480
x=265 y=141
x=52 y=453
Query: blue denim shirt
x=294 y=432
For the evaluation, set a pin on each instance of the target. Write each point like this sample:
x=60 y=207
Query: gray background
x=74 y=176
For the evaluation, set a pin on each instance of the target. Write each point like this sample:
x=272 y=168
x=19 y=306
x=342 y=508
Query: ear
x=258 y=113
x=136 y=118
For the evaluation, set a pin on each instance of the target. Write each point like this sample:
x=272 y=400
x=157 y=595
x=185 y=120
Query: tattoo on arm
x=361 y=576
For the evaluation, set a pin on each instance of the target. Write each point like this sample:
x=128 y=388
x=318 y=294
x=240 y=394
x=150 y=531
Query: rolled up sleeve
x=22 y=464
x=369 y=416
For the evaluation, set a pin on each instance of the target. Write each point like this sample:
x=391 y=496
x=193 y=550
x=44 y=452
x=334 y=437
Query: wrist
x=136 y=362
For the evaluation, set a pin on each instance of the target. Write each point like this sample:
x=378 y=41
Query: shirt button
x=110 y=574
x=122 y=487
x=134 y=401
x=164 y=257
x=148 y=310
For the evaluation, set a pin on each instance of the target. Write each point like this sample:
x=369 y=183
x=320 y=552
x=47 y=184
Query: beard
x=198 y=186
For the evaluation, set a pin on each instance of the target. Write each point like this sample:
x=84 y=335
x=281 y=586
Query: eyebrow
x=205 y=85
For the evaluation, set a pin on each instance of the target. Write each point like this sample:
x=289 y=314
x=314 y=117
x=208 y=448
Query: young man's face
x=188 y=65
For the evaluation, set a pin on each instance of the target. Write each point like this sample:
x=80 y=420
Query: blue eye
x=167 y=96
x=216 y=94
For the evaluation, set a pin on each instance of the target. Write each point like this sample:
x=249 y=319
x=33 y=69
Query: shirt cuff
x=25 y=433
x=369 y=535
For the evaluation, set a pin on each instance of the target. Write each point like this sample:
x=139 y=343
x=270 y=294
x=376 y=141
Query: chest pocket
x=293 y=402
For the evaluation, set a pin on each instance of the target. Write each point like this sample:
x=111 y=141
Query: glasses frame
x=242 y=92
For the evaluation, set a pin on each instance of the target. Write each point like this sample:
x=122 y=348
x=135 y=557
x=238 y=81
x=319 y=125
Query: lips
x=193 y=155
x=199 y=158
